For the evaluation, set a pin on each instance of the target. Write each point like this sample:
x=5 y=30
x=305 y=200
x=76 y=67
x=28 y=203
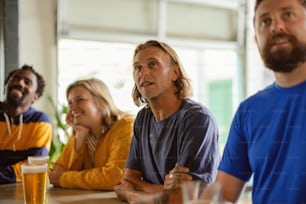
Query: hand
x=126 y=192
x=176 y=177
x=120 y=192
x=80 y=132
x=122 y=189
x=139 y=197
x=69 y=118
x=55 y=174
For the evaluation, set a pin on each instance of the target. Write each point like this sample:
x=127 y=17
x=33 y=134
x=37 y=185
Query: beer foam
x=38 y=168
x=38 y=159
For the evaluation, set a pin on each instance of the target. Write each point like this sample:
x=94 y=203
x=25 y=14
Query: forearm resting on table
x=132 y=186
x=134 y=178
x=141 y=185
x=140 y=197
x=162 y=197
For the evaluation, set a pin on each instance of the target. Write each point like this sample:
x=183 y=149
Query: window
x=213 y=73
x=98 y=37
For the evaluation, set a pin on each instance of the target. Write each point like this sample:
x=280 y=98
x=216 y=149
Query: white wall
x=37 y=27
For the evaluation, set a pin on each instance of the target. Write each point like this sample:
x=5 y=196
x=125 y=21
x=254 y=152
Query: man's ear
x=176 y=72
x=36 y=97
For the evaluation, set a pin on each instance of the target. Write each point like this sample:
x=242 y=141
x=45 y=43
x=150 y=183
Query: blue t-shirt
x=268 y=140
x=189 y=137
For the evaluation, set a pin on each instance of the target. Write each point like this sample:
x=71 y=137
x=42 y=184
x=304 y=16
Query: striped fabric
x=17 y=144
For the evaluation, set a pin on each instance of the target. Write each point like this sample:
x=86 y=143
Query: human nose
x=144 y=71
x=277 y=26
x=71 y=108
x=69 y=117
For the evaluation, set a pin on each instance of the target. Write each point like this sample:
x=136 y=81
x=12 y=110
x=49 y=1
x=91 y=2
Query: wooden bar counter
x=13 y=194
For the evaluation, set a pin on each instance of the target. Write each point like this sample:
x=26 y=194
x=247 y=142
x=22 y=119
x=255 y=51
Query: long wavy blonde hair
x=182 y=84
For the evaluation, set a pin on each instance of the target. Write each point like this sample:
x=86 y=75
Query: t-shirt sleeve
x=198 y=145
x=133 y=160
x=235 y=157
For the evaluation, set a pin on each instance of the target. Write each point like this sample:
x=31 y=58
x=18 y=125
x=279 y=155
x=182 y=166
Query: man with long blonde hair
x=175 y=138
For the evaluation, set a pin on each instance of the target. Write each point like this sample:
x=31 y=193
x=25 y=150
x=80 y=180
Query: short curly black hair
x=40 y=80
x=258 y=2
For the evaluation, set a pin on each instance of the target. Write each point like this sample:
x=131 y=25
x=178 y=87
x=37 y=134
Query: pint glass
x=38 y=159
x=34 y=179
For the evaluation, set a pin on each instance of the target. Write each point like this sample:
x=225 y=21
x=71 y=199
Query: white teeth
x=76 y=114
x=281 y=41
x=146 y=84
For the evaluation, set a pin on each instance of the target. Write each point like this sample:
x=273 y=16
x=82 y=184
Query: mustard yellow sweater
x=109 y=160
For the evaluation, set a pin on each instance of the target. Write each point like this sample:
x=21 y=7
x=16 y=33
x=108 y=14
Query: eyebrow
x=281 y=9
x=149 y=59
x=27 y=78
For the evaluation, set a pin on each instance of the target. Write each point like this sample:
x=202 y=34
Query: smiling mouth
x=281 y=41
x=16 y=92
x=146 y=84
x=76 y=115
x=280 y=44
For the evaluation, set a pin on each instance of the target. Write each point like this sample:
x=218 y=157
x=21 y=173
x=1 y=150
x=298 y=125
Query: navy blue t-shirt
x=188 y=137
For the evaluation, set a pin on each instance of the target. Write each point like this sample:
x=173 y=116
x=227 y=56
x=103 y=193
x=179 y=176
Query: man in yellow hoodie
x=24 y=130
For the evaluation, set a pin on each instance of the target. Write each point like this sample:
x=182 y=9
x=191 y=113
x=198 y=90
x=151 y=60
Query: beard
x=13 y=99
x=284 y=60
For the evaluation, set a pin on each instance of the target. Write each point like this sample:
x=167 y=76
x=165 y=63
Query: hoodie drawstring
x=8 y=124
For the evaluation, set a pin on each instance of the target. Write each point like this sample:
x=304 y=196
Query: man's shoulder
x=263 y=94
x=190 y=103
x=144 y=111
x=192 y=106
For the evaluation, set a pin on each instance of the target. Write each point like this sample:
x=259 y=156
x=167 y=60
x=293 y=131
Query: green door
x=220 y=103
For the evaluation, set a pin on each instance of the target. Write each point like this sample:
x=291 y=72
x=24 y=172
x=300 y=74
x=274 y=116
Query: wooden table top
x=13 y=194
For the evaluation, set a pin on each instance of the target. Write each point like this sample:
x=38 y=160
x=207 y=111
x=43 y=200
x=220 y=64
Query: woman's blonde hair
x=101 y=94
x=182 y=84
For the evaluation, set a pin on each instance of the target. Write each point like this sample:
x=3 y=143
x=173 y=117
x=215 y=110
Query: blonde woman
x=95 y=155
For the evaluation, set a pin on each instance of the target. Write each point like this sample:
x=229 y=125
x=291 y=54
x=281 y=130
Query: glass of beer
x=38 y=159
x=34 y=179
x=199 y=192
